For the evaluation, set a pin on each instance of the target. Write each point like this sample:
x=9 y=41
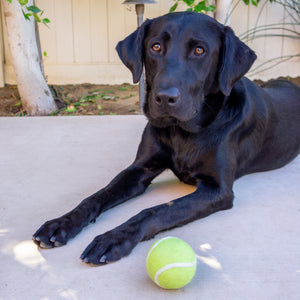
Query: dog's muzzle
x=167 y=102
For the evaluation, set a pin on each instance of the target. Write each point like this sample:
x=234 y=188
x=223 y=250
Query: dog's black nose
x=170 y=96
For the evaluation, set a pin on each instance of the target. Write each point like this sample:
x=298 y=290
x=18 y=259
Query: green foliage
x=255 y=2
x=125 y=88
x=32 y=11
x=129 y=96
x=201 y=6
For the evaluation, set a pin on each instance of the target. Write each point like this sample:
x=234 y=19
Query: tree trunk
x=223 y=11
x=35 y=94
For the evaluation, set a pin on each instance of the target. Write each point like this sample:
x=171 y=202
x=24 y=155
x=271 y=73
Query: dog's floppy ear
x=236 y=60
x=131 y=51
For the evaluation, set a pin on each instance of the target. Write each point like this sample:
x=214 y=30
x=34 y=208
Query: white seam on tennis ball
x=157 y=243
x=170 y=266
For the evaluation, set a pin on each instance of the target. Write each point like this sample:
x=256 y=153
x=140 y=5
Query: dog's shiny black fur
x=207 y=123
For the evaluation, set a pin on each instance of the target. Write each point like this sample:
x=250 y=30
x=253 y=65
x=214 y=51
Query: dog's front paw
x=55 y=233
x=109 y=247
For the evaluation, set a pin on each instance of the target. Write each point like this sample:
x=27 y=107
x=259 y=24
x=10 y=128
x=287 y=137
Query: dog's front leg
x=129 y=183
x=119 y=242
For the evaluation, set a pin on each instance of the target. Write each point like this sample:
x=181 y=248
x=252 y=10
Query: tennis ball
x=171 y=263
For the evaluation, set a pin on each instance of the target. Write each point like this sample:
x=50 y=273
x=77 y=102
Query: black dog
x=206 y=123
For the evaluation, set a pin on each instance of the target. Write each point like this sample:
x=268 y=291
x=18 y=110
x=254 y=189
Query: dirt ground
x=84 y=99
x=81 y=99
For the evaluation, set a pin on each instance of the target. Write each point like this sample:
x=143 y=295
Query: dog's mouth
x=189 y=125
x=171 y=114
x=178 y=118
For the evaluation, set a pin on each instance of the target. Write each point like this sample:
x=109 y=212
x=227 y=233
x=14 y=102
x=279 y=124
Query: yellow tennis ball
x=171 y=263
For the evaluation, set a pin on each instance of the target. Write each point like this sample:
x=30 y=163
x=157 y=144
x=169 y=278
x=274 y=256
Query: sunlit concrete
x=47 y=165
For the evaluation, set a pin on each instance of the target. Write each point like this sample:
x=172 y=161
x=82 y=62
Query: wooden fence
x=81 y=38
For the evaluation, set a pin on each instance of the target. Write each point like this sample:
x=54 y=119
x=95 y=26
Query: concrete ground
x=48 y=164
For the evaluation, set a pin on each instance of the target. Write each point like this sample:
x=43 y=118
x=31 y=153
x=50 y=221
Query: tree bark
x=34 y=92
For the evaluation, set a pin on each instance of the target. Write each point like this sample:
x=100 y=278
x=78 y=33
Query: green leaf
x=211 y=8
x=129 y=96
x=189 y=2
x=255 y=2
x=23 y=2
x=45 y=54
x=200 y=6
x=173 y=7
x=54 y=113
x=9 y=1
x=21 y=114
x=124 y=88
x=46 y=21
x=246 y=2
x=91 y=98
x=36 y=17
x=33 y=9
x=26 y=16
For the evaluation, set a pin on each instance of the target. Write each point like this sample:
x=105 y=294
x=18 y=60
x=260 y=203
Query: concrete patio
x=49 y=164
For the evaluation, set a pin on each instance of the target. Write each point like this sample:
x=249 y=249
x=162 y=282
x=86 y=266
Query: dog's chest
x=192 y=158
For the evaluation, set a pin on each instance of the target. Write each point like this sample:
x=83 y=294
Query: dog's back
x=283 y=90
x=282 y=140
x=285 y=97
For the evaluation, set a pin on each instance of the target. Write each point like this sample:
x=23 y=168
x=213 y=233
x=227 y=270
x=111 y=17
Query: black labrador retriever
x=207 y=123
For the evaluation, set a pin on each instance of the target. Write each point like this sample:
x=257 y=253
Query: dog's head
x=187 y=56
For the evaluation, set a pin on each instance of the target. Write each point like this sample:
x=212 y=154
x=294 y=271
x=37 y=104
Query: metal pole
x=139 y=8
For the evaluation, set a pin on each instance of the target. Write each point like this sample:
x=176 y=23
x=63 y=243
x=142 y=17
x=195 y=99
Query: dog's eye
x=156 y=47
x=198 y=51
